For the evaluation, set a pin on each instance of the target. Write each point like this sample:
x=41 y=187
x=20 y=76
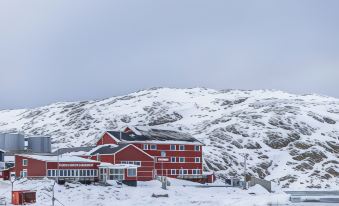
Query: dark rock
x=329 y=120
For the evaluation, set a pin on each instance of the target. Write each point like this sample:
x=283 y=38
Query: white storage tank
x=12 y=142
x=39 y=144
x=2 y=141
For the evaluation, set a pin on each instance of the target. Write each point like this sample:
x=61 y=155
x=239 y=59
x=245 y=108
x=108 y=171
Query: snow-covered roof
x=9 y=158
x=118 y=166
x=62 y=158
x=154 y=135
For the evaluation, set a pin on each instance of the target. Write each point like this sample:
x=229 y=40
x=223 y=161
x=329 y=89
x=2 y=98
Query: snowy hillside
x=293 y=138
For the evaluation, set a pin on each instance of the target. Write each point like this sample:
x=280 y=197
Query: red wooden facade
x=131 y=155
x=32 y=167
x=177 y=159
x=106 y=138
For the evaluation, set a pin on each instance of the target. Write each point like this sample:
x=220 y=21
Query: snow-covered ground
x=179 y=194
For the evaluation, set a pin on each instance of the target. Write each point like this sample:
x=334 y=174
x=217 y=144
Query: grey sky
x=80 y=50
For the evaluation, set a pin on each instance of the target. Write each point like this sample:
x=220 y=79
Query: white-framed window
x=153 y=147
x=131 y=162
x=173 y=171
x=123 y=162
x=196 y=148
x=145 y=146
x=181 y=147
x=181 y=159
x=183 y=172
x=23 y=173
x=116 y=174
x=197 y=159
x=196 y=172
x=173 y=147
x=24 y=162
x=131 y=172
x=173 y=159
x=137 y=163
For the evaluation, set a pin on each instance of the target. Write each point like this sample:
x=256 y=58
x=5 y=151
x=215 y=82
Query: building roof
x=107 y=149
x=138 y=134
x=62 y=158
x=74 y=150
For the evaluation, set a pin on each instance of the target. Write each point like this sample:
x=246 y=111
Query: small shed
x=20 y=197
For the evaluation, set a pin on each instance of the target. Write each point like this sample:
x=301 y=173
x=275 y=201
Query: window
x=173 y=171
x=145 y=146
x=53 y=173
x=173 y=159
x=196 y=148
x=73 y=173
x=61 y=173
x=173 y=147
x=95 y=173
x=123 y=162
x=197 y=160
x=24 y=162
x=153 y=147
x=76 y=173
x=181 y=159
x=131 y=162
x=88 y=173
x=196 y=171
x=24 y=173
x=131 y=172
x=137 y=163
x=181 y=147
x=92 y=173
x=116 y=174
x=49 y=173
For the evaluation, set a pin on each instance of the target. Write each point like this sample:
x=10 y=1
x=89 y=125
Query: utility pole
x=12 y=179
x=57 y=180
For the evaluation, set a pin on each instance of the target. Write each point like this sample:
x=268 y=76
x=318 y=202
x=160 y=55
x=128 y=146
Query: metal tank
x=12 y=142
x=2 y=141
x=39 y=144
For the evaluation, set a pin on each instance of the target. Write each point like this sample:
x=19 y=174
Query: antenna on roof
x=120 y=135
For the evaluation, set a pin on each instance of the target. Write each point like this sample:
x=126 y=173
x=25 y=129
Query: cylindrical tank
x=39 y=144
x=12 y=142
x=2 y=141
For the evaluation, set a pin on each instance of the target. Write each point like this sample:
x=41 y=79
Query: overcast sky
x=80 y=50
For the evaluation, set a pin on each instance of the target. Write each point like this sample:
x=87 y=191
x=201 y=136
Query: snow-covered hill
x=293 y=138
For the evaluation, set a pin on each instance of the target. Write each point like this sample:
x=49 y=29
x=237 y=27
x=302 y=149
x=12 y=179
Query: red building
x=69 y=167
x=176 y=154
x=123 y=155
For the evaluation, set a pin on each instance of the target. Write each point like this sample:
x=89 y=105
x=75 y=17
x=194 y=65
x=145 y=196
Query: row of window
x=73 y=173
x=182 y=172
x=131 y=162
x=173 y=147
x=182 y=159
